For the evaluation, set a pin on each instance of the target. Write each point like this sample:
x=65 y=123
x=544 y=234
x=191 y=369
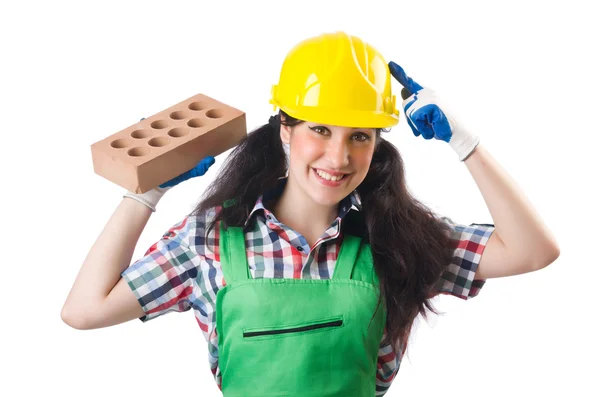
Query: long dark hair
x=410 y=244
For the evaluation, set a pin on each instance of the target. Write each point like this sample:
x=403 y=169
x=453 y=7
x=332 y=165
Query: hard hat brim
x=345 y=118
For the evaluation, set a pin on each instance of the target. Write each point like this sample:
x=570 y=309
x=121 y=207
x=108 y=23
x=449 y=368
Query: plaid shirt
x=182 y=270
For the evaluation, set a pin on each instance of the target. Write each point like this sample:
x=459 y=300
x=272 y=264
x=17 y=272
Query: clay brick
x=169 y=143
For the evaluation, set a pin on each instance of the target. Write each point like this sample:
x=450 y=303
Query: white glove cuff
x=462 y=141
x=150 y=199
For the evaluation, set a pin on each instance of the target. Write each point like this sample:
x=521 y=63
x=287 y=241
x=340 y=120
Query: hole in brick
x=178 y=132
x=159 y=141
x=196 y=123
x=137 y=134
x=159 y=124
x=215 y=113
x=120 y=143
x=197 y=106
x=138 y=151
x=178 y=115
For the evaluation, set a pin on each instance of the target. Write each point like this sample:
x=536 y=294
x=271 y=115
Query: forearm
x=109 y=256
x=517 y=223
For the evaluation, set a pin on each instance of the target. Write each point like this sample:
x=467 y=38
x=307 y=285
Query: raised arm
x=100 y=273
x=99 y=296
x=521 y=242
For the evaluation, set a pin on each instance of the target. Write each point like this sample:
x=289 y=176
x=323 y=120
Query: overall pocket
x=334 y=322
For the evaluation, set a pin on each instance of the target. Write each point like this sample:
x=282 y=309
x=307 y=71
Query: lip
x=332 y=173
x=329 y=183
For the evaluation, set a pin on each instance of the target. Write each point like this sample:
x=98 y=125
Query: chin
x=328 y=200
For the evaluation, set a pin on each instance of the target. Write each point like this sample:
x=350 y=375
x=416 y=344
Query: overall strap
x=347 y=257
x=232 y=250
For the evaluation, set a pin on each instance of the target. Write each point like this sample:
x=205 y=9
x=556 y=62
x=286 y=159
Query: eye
x=318 y=129
x=364 y=137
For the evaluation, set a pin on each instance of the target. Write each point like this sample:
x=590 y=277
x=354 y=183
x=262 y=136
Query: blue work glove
x=425 y=116
x=152 y=197
x=199 y=170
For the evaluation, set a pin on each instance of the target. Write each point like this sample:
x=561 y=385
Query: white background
x=523 y=75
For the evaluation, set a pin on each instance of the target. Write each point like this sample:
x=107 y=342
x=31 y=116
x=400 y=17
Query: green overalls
x=298 y=337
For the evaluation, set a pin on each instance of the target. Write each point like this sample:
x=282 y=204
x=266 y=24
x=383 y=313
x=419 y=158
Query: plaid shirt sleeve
x=468 y=243
x=163 y=279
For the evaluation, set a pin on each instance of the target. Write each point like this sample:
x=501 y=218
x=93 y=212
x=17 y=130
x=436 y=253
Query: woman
x=306 y=272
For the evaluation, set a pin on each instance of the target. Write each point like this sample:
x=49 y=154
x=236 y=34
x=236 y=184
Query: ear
x=285 y=132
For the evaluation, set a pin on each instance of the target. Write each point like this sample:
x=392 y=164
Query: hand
x=425 y=116
x=199 y=170
x=152 y=197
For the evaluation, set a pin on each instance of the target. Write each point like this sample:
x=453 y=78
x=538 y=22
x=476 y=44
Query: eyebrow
x=362 y=128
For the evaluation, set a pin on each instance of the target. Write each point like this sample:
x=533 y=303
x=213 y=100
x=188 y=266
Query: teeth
x=325 y=175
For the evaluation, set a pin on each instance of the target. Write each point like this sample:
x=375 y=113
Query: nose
x=338 y=153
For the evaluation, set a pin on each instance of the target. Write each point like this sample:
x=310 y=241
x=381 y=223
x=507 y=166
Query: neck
x=304 y=216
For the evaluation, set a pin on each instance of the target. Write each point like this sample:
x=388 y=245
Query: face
x=320 y=154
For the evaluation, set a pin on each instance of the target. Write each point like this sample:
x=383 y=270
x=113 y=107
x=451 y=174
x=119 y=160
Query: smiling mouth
x=324 y=178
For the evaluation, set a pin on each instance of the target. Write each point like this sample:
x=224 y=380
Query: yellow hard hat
x=336 y=79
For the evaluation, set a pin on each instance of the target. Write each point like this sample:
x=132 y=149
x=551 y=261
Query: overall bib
x=298 y=337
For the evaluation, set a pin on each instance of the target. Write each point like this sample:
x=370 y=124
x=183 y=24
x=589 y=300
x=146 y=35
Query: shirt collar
x=349 y=202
